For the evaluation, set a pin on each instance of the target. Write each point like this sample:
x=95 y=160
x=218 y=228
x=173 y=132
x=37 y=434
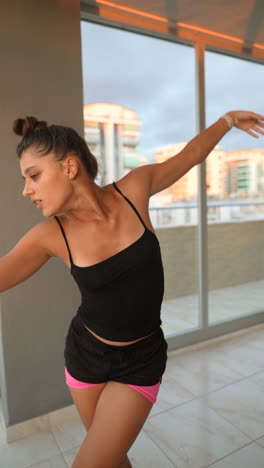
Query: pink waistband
x=149 y=392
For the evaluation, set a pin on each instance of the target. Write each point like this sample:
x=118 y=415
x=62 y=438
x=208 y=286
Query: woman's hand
x=248 y=121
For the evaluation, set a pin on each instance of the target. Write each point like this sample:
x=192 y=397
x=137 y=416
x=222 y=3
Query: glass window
x=139 y=95
x=236 y=267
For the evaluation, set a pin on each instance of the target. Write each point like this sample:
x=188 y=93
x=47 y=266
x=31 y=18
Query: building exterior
x=245 y=173
x=216 y=173
x=186 y=187
x=112 y=133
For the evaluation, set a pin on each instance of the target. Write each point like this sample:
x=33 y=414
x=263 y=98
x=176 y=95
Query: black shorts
x=88 y=359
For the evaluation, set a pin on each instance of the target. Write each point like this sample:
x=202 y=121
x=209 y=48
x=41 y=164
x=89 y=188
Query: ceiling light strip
x=132 y=10
x=185 y=26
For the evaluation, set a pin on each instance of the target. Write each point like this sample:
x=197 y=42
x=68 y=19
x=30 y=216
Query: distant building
x=186 y=187
x=245 y=172
x=112 y=133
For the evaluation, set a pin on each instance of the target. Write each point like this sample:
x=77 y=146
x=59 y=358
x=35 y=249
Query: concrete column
x=40 y=75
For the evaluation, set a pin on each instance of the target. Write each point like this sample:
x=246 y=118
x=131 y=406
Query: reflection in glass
x=236 y=212
x=139 y=109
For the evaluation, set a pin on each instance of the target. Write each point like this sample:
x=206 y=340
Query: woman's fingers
x=258 y=129
x=250 y=132
x=250 y=122
x=258 y=116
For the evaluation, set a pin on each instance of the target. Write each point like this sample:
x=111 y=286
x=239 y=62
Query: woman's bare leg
x=126 y=463
x=85 y=401
x=118 y=419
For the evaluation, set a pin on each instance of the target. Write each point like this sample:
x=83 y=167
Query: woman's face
x=47 y=182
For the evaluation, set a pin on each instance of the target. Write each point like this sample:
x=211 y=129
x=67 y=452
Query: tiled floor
x=210 y=413
x=181 y=313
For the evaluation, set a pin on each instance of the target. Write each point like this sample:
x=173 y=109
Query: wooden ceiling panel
x=236 y=25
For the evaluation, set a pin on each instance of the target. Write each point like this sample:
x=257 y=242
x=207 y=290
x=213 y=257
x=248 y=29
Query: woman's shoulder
x=136 y=184
x=49 y=234
x=47 y=226
x=135 y=187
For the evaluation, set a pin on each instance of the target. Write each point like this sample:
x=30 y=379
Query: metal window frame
x=204 y=331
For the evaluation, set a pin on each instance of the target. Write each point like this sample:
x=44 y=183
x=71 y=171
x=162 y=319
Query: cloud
x=157 y=79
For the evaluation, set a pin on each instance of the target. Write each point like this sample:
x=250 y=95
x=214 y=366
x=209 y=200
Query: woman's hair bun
x=24 y=127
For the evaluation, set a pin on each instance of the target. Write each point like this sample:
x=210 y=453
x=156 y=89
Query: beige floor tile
x=250 y=456
x=28 y=451
x=2 y=434
x=193 y=436
x=258 y=378
x=242 y=404
x=145 y=454
x=239 y=357
x=70 y=455
x=244 y=354
x=54 y=462
x=202 y=371
x=260 y=442
x=171 y=394
x=68 y=429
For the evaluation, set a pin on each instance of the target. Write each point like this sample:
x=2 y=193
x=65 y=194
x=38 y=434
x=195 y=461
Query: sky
x=156 y=78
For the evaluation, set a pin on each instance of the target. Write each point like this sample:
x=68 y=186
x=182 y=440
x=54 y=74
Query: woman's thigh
x=85 y=400
x=120 y=414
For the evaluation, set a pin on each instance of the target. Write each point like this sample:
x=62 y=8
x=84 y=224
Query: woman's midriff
x=115 y=343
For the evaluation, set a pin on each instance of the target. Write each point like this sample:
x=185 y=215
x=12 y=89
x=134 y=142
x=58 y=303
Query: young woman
x=115 y=351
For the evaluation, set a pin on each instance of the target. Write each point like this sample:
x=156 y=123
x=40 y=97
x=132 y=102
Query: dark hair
x=54 y=138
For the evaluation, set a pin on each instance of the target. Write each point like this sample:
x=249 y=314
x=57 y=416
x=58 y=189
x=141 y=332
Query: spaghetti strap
x=63 y=233
x=131 y=204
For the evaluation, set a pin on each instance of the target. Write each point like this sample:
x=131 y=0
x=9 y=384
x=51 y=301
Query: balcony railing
x=186 y=214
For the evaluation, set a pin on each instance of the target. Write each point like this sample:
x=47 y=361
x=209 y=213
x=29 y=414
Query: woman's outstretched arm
x=28 y=255
x=159 y=176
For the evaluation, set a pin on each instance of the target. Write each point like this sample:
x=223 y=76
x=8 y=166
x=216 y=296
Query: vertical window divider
x=201 y=195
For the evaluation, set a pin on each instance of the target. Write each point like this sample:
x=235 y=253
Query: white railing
x=186 y=214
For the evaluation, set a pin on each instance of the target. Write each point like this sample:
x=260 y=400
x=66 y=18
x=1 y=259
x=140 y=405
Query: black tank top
x=121 y=296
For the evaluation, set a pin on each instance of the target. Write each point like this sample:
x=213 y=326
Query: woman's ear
x=72 y=166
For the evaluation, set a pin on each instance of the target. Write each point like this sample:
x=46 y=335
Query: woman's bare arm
x=28 y=255
x=158 y=176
